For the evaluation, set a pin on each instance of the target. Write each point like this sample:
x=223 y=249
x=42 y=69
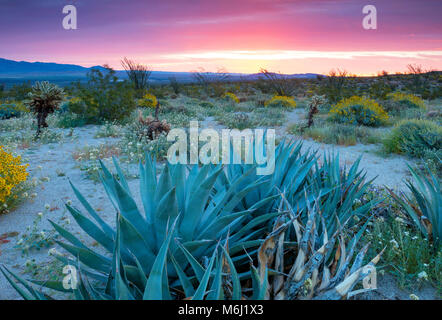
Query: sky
x=296 y=36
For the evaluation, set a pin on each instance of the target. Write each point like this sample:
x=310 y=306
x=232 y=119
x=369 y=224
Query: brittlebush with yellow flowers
x=12 y=175
x=281 y=102
x=358 y=110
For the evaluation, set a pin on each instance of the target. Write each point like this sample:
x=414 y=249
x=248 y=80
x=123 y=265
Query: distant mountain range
x=18 y=71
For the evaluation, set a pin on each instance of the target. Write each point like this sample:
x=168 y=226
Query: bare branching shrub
x=212 y=82
x=174 y=84
x=279 y=83
x=335 y=84
x=138 y=73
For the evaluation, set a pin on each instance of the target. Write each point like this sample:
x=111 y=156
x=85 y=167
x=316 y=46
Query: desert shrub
x=148 y=101
x=281 y=102
x=109 y=129
x=20 y=91
x=16 y=124
x=13 y=175
x=408 y=255
x=414 y=137
x=407 y=100
x=358 y=110
x=433 y=160
x=237 y=120
x=12 y=110
x=174 y=84
x=379 y=89
x=103 y=97
x=335 y=86
x=206 y=104
x=276 y=83
x=231 y=97
x=340 y=134
x=67 y=120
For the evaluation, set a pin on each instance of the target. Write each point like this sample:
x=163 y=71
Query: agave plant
x=217 y=281
x=287 y=269
x=186 y=196
x=206 y=204
x=299 y=173
x=44 y=99
x=308 y=263
x=423 y=205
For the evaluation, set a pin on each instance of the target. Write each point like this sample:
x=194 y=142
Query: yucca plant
x=423 y=205
x=44 y=99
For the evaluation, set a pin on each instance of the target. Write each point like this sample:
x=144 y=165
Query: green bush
x=206 y=104
x=414 y=138
x=103 y=98
x=8 y=111
x=358 y=110
x=341 y=134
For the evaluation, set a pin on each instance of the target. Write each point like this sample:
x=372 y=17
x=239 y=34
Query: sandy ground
x=54 y=158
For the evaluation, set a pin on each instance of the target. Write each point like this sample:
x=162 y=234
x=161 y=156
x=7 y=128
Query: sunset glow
x=241 y=36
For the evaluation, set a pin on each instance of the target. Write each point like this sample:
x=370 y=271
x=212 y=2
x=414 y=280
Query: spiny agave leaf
x=67 y=235
x=201 y=290
x=220 y=223
x=179 y=178
x=121 y=290
x=54 y=285
x=245 y=245
x=261 y=219
x=148 y=183
x=121 y=176
x=106 y=228
x=236 y=294
x=195 y=179
x=197 y=268
x=278 y=280
x=167 y=208
x=154 y=286
x=133 y=241
x=107 y=179
x=216 y=292
x=189 y=290
x=259 y=284
x=129 y=209
x=164 y=184
x=88 y=257
x=195 y=205
x=91 y=229
x=31 y=294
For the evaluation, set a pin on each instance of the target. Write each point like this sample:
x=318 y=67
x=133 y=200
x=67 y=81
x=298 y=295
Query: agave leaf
x=91 y=229
x=30 y=295
x=133 y=241
x=106 y=228
x=201 y=290
x=154 y=286
x=189 y=290
x=88 y=257
x=121 y=176
x=236 y=294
